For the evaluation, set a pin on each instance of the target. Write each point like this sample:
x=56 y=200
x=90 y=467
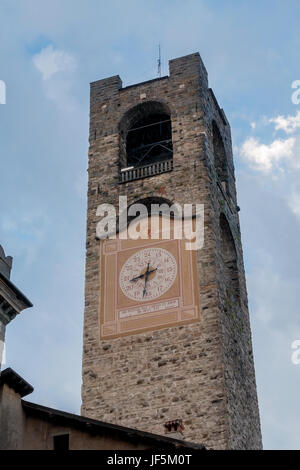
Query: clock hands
x=146 y=280
x=146 y=276
x=134 y=279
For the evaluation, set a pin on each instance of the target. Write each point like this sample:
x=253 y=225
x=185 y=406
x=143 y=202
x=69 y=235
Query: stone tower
x=184 y=353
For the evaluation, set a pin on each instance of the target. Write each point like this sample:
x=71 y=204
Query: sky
x=49 y=53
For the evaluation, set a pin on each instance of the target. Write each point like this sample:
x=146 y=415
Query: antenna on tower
x=159 y=63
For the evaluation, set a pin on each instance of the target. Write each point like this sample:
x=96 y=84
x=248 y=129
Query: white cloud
x=287 y=123
x=280 y=154
x=57 y=69
x=50 y=61
x=264 y=157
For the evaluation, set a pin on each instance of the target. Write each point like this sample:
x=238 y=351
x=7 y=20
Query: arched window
x=220 y=156
x=149 y=201
x=229 y=256
x=146 y=135
x=155 y=205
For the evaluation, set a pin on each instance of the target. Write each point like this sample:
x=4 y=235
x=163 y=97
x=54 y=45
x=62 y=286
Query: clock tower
x=166 y=328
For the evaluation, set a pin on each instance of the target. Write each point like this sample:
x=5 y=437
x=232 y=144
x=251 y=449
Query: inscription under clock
x=130 y=312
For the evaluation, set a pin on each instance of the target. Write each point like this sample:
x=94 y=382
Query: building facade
x=166 y=330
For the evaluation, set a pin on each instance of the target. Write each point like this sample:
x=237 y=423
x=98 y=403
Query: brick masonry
x=202 y=373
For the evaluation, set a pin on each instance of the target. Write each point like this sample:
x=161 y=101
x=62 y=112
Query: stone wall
x=202 y=373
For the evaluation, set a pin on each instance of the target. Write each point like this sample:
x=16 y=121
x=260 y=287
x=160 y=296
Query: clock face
x=148 y=274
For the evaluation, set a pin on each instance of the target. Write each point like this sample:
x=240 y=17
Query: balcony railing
x=136 y=173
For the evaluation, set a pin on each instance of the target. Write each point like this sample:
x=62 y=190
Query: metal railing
x=136 y=173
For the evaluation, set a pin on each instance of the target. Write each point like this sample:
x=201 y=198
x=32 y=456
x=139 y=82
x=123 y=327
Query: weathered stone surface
x=202 y=373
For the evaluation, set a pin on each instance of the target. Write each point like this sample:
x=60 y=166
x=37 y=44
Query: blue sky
x=49 y=52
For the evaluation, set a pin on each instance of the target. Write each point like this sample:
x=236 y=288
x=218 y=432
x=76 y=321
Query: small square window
x=61 y=442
